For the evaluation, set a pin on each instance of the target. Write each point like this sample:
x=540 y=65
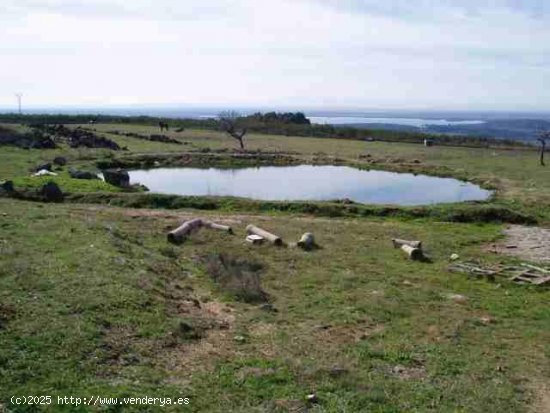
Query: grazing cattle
x=163 y=126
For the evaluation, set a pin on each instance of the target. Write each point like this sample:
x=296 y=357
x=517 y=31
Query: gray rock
x=45 y=166
x=82 y=174
x=117 y=177
x=60 y=161
x=51 y=192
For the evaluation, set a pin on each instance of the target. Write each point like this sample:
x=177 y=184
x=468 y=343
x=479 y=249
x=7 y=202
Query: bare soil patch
x=528 y=243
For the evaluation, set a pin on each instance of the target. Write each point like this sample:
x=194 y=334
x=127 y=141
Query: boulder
x=82 y=174
x=44 y=166
x=60 y=161
x=117 y=177
x=7 y=187
x=51 y=192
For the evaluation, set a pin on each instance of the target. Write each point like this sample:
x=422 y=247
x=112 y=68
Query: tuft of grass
x=237 y=276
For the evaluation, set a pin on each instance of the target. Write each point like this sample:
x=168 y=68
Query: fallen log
x=413 y=253
x=179 y=234
x=274 y=239
x=213 y=225
x=398 y=243
x=307 y=241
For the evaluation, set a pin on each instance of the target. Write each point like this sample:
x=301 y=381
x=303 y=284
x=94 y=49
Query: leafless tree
x=229 y=121
x=542 y=138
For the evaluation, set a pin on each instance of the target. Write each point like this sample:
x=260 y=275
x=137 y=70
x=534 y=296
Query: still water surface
x=307 y=182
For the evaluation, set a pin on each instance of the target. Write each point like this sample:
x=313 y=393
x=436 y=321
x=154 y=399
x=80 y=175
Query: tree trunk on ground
x=397 y=243
x=413 y=253
x=274 y=239
x=179 y=235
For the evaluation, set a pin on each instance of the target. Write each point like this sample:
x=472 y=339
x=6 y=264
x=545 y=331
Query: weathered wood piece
x=179 y=234
x=522 y=274
x=534 y=267
x=398 y=243
x=307 y=241
x=413 y=253
x=274 y=239
x=213 y=225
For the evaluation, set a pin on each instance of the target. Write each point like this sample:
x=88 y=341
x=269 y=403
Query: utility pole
x=19 y=96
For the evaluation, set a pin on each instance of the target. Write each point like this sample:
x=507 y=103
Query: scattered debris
x=520 y=274
x=473 y=269
x=274 y=239
x=532 y=275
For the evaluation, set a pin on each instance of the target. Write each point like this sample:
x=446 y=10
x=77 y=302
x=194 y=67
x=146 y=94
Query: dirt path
x=528 y=243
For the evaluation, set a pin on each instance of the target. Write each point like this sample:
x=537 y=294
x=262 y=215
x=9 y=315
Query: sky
x=371 y=54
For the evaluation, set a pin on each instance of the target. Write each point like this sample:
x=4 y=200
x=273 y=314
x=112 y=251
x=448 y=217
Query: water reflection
x=307 y=182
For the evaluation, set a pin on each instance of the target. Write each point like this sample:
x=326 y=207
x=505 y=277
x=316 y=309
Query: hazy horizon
x=415 y=55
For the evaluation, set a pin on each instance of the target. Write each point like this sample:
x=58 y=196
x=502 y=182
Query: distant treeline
x=272 y=123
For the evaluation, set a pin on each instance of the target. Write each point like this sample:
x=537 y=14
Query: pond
x=308 y=182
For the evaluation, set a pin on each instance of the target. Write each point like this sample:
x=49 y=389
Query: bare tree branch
x=543 y=137
x=228 y=124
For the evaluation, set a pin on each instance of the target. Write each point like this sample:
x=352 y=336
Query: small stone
x=312 y=398
x=457 y=298
x=269 y=308
x=60 y=161
x=454 y=257
x=239 y=339
x=337 y=371
x=486 y=319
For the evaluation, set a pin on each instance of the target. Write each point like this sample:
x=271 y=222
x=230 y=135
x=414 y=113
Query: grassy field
x=94 y=301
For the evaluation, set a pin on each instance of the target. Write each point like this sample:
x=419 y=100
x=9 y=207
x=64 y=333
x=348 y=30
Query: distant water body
x=355 y=120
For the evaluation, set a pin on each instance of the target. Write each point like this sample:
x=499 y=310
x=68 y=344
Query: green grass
x=94 y=301
x=92 y=296
x=521 y=184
